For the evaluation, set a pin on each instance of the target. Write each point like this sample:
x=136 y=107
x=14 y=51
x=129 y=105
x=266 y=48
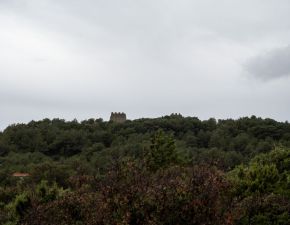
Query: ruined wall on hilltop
x=118 y=117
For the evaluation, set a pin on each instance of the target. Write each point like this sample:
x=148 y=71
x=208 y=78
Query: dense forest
x=170 y=170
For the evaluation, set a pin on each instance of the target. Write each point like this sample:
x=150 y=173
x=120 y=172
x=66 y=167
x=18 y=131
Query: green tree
x=263 y=189
x=162 y=152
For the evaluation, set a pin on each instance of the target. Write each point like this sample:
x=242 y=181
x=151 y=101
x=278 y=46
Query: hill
x=168 y=170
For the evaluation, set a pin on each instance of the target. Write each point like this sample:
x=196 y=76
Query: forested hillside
x=168 y=170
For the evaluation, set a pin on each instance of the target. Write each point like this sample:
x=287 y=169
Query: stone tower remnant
x=118 y=117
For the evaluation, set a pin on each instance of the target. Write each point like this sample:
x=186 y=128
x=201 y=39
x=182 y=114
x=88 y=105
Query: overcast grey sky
x=84 y=59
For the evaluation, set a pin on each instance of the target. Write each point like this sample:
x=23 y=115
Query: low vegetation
x=170 y=170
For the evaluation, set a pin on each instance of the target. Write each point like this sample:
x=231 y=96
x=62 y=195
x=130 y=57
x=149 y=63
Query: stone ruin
x=118 y=117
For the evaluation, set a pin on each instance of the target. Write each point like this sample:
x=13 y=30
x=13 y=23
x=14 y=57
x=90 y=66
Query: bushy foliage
x=130 y=194
x=263 y=188
x=168 y=170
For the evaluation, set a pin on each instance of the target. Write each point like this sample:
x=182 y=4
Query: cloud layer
x=271 y=65
x=80 y=59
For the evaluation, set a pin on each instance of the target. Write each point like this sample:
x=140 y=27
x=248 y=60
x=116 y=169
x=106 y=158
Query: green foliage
x=257 y=178
x=168 y=170
x=4 y=148
x=162 y=152
x=263 y=188
x=266 y=173
x=225 y=160
x=21 y=204
x=17 y=209
x=69 y=143
x=51 y=172
x=46 y=193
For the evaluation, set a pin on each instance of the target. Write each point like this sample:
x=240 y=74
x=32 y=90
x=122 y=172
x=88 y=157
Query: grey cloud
x=72 y=58
x=270 y=65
